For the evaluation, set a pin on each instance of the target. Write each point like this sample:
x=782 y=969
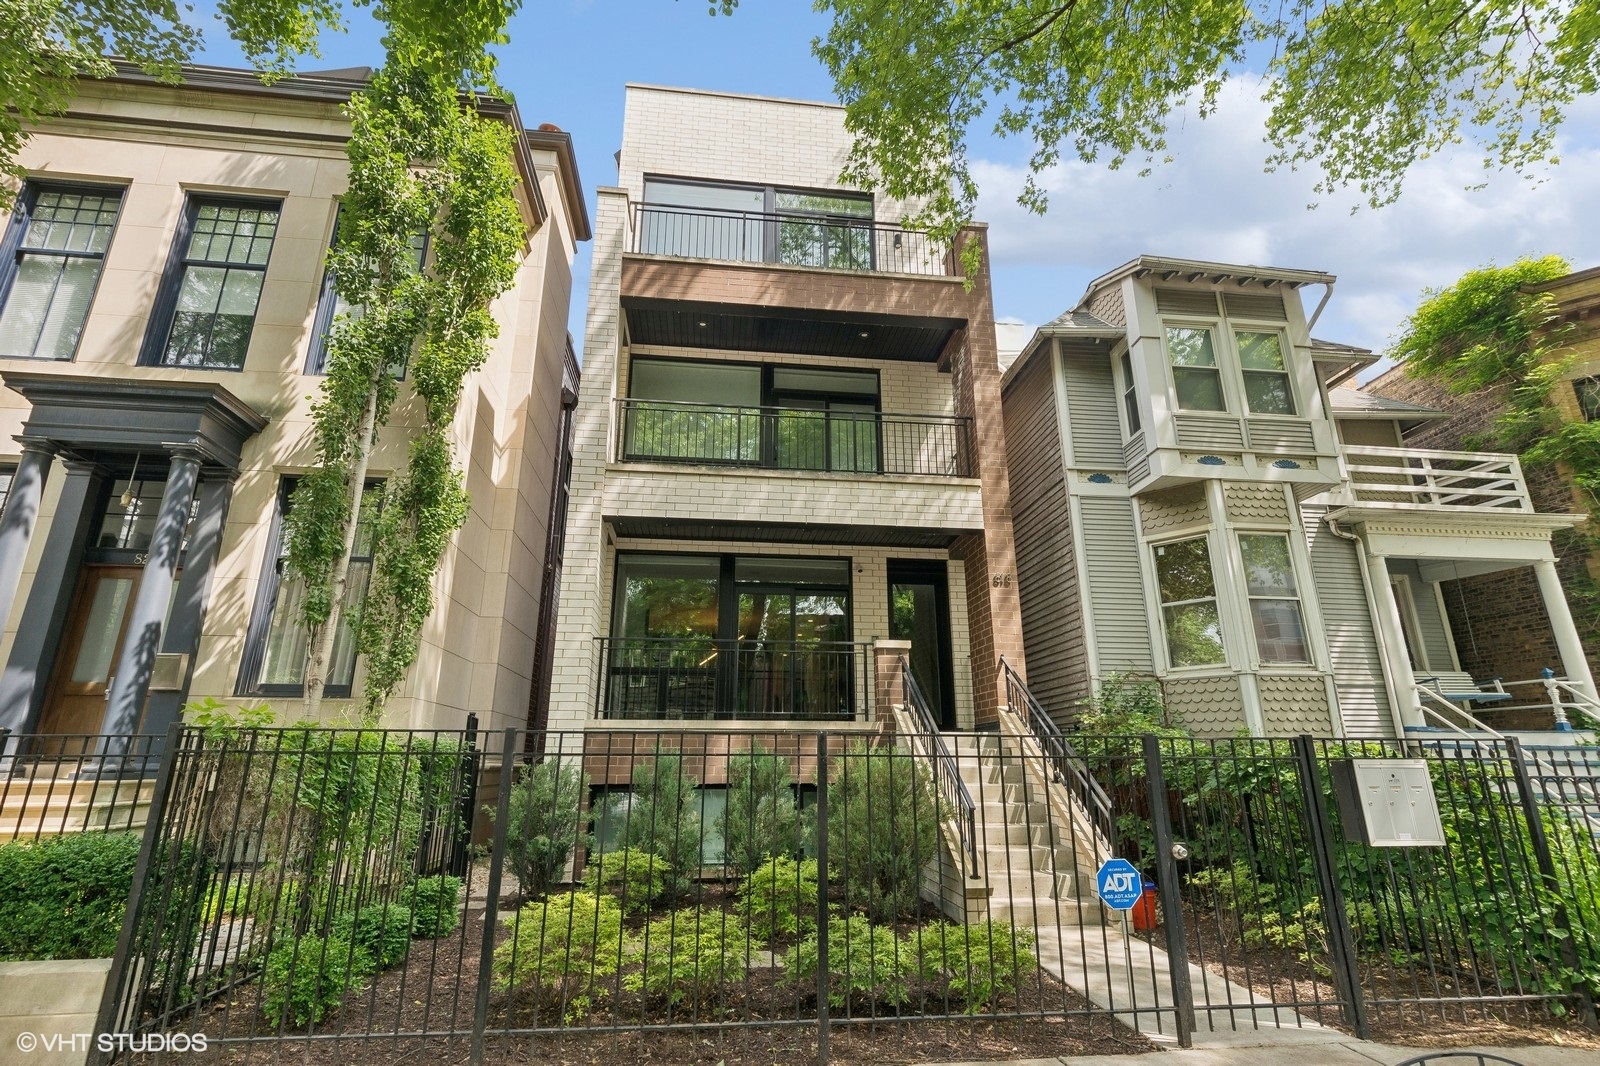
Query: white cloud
x=1215 y=202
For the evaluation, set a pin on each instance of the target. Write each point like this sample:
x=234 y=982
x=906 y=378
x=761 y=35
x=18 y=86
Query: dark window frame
x=264 y=606
x=1587 y=392
x=1129 y=392
x=12 y=250
x=8 y=474
x=164 y=311
x=327 y=299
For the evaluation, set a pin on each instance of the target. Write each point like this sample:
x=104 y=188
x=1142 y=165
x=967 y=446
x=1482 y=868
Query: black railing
x=831 y=242
x=786 y=438
x=959 y=807
x=1067 y=766
x=61 y=784
x=757 y=680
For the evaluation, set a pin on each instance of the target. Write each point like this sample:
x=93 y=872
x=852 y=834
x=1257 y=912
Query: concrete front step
x=1027 y=911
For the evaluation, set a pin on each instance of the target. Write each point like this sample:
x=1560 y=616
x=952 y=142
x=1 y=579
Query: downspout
x=1311 y=323
x=1377 y=627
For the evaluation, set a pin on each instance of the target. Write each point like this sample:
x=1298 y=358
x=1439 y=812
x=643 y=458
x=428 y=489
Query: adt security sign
x=1119 y=883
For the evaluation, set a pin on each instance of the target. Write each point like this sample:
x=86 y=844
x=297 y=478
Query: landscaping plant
x=562 y=954
x=435 y=906
x=636 y=878
x=883 y=828
x=381 y=931
x=663 y=817
x=978 y=963
x=688 y=955
x=542 y=828
x=306 y=977
x=779 y=898
x=760 y=819
x=64 y=897
x=866 y=962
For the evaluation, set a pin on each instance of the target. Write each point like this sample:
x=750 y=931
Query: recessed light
x=703 y=323
x=864 y=334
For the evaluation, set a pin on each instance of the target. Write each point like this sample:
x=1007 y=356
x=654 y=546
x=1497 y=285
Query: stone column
x=18 y=519
x=189 y=605
x=142 y=639
x=889 y=689
x=1573 y=661
x=33 y=653
x=1392 y=642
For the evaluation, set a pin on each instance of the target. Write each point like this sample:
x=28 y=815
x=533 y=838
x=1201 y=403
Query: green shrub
x=688 y=955
x=779 y=898
x=435 y=906
x=866 y=962
x=306 y=977
x=562 y=954
x=65 y=897
x=636 y=878
x=381 y=930
x=760 y=819
x=978 y=963
x=664 y=817
x=543 y=825
x=883 y=828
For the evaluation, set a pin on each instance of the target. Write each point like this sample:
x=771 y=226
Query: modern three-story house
x=1195 y=500
x=788 y=447
x=163 y=303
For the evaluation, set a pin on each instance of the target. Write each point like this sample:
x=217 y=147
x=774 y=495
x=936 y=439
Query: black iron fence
x=751 y=680
x=792 y=239
x=62 y=784
x=788 y=438
x=291 y=888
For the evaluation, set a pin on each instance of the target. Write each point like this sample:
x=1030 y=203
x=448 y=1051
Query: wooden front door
x=90 y=645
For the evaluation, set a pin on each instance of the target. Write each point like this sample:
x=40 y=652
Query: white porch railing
x=1422 y=478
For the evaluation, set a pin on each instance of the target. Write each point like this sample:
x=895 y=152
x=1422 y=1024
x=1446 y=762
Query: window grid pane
x=332 y=307
x=1275 y=611
x=1588 y=390
x=224 y=265
x=1188 y=603
x=58 y=266
x=6 y=474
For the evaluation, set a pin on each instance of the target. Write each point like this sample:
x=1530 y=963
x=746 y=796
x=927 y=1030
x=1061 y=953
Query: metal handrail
x=788 y=238
x=1454 y=709
x=1070 y=769
x=858 y=442
x=1585 y=704
x=945 y=769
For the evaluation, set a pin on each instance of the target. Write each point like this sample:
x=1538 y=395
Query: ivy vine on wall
x=423 y=159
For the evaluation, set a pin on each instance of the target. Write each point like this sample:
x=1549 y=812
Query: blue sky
x=569 y=59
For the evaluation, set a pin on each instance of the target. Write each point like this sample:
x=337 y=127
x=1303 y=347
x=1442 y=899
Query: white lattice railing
x=1423 y=478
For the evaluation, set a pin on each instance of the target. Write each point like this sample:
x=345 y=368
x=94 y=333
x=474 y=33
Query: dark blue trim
x=11 y=244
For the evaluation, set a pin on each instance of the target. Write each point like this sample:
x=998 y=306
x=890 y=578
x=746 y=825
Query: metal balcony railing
x=829 y=241
x=1422 y=478
x=786 y=438
x=703 y=678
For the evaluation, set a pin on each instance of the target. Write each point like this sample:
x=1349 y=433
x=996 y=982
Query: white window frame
x=1247 y=615
x=1230 y=368
x=1123 y=380
x=1160 y=605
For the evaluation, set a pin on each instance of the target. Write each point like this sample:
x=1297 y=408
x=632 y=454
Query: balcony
x=797 y=439
x=830 y=243
x=704 y=679
x=1455 y=481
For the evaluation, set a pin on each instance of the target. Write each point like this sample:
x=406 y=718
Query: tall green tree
x=1361 y=89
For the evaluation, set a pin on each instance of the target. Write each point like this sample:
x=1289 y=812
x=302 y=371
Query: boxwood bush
x=65 y=897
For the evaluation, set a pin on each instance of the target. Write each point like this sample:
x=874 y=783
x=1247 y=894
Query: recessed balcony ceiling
x=729 y=327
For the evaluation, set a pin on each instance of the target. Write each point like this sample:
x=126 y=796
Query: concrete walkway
x=1346 y=1052
x=1128 y=977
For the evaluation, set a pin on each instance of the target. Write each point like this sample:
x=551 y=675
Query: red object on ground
x=1144 y=911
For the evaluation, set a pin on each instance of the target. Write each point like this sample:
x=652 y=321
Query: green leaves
x=1361 y=89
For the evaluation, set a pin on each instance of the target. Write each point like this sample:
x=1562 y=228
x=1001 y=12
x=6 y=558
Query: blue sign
x=1119 y=884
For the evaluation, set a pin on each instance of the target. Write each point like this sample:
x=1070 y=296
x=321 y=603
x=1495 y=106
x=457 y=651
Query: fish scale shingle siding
x=1347 y=623
x=1047 y=580
x=1206 y=706
x=1293 y=704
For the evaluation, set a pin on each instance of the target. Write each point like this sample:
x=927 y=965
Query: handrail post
x=1553 y=687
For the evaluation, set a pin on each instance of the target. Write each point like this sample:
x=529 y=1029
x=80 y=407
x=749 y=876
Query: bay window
x=1188 y=593
x=1193 y=355
x=1266 y=380
x=1275 y=612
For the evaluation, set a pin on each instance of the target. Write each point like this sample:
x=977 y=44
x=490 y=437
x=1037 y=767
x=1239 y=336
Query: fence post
x=111 y=999
x=466 y=812
x=1171 y=895
x=1341 y=941
x=822 y=899
x=1547 y=871
x=491 y=907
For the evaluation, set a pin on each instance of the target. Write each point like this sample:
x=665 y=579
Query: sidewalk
x=1349 y=1052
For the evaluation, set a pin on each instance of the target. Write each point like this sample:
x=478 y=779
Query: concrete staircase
x=1037 y=874
x=43 y=806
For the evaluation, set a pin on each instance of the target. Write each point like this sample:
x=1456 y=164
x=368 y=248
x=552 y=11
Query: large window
x=1275 y=612
x=53 y=255
x=1189 y=603
x=1193 y=354
x=275 y=661
x=707 y=636
x=790 y=418
x=1266 y=381
x=207 y=307
x=754 y=223
x=6 y=474
x=1588 y=392
x=331 y=307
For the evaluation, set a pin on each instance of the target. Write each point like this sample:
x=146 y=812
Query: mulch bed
x=434 y=991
